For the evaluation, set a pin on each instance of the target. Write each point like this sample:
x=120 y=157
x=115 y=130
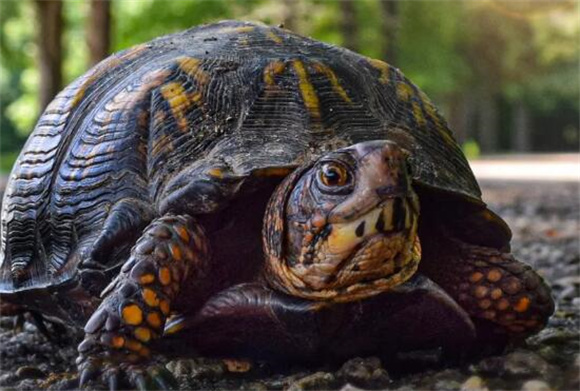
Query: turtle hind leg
x=136 y=304
x=506 y=298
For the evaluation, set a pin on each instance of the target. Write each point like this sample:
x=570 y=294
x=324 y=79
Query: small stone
x=521 y=364
x=27 y=372
x=316 y=381
x=535 y=385
x=474 y=383
x=365 y=373
x=197 y=368
x=8 y=379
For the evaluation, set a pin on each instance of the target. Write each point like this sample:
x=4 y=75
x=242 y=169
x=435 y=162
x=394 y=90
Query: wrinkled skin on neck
x=345 y=227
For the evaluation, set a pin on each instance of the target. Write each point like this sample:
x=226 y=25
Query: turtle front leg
x=136 y=304
x=506 y=297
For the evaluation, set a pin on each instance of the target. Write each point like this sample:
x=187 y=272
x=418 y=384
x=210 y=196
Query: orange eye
x=333 y=174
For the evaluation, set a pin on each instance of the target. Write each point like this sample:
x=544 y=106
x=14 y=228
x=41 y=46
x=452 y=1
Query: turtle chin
x=364 y=256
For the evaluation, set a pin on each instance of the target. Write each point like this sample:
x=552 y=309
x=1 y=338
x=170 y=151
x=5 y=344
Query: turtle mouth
x=366 y=255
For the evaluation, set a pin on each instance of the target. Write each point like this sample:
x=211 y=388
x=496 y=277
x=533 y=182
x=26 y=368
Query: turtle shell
x=222 y=102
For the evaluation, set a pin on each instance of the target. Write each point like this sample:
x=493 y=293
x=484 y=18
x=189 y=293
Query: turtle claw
x=112 y=378
x=163 y=379
x=88 y=372
x=129 y=376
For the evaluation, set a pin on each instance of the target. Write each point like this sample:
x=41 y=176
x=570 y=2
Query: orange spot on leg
x=484 y=304
x=118 y=342
x=154 y=319
x=150 y=297
x=147 y=279
x=164 y=276
x=480 y=291
x=175 y=252
x=502 y=304
x=132 y=314
x=143 y=334
x=164 y=306
x=494 y=275
x=475 y=277
x=522 y=305
x=496 y=293
x=183 y=234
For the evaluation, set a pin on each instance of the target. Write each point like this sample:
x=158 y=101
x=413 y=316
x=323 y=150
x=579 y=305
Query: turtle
x=239 y=190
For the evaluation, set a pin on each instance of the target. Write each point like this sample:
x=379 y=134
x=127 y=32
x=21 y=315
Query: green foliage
x=141 y=21
x=429 y=38
x=471 y=149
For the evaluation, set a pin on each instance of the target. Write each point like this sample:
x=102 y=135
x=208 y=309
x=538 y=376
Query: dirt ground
x=544 y=218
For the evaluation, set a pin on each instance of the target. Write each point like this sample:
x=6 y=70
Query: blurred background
x=504 y=73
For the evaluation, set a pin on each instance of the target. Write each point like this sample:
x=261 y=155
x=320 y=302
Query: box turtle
x=238 y=190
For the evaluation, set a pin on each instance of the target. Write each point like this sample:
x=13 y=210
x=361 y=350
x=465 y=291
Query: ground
x=544 y=218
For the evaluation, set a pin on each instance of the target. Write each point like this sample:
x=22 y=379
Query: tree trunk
x=488 y=122
x=49 y=14
x=521 y=132
x=99 y=30
x=390 y=30
x=349 y=25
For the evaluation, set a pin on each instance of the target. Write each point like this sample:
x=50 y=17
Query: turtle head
x=344 y=227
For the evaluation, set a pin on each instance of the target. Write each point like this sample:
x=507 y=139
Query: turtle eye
x=333 y=174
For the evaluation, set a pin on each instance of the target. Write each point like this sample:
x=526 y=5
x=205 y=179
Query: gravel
x=545 y=220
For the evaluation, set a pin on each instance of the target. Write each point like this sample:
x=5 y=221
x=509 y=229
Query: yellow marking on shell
x=191 y=66
x=118 y=342
x=165 y=276
x=133 y=52
x=418 y=114
x=179 y=101
x=132 y=314
x=241 y=29
x=147 y=279
x=383 y=67
x=164 y=306
x=143 y=334
x=99 y=70
x=272 y=172
x=307 y=90
x=436 y=119
x=522 y=305
x=154 y=319
x=175 y=252
x=475 y=277
x=404 y=91
x=272 y=35
x=331 y=76
x=272 y=70
x=494 y=275
x=150 y=297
